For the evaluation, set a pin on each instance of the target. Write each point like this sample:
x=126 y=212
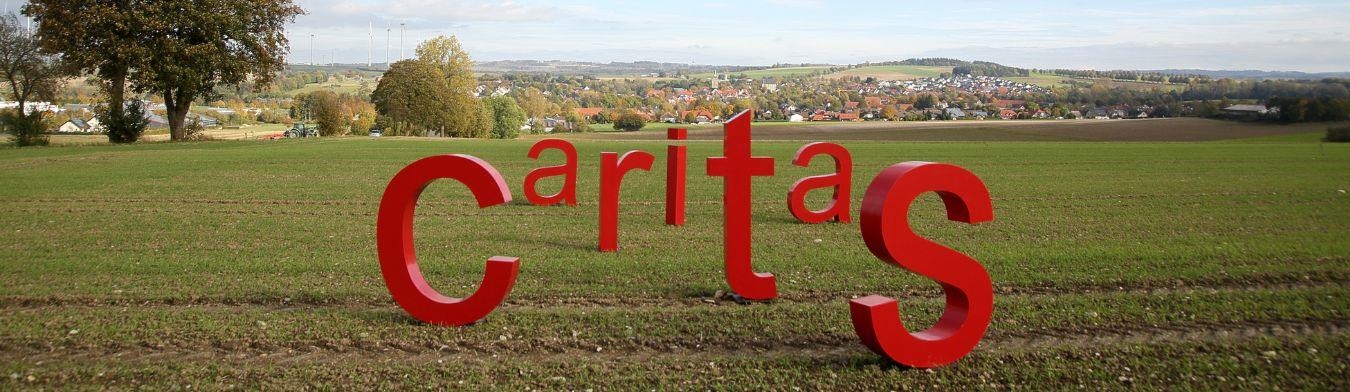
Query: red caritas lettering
x=884 y=225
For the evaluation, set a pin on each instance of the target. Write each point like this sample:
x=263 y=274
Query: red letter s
x=886 y=230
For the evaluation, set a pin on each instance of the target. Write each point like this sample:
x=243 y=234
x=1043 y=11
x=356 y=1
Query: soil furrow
x=1274 y=282
x=844 y=344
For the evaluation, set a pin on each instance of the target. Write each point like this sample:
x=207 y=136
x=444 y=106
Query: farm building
x=76 y=125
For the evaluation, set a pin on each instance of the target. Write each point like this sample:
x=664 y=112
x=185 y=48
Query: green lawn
x=247 y=264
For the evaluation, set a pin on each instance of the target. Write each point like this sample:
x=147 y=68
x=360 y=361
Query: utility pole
x=401 y=53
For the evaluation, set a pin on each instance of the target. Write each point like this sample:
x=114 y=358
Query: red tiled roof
x=589 y=112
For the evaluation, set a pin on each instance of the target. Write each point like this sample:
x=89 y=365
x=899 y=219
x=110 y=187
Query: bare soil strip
x=607 y=350
x=1270 y=282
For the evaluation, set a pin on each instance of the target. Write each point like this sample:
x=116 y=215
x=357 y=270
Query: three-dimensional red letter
x=841 y=181
x=398 y=257
x=612 y=169
x=886 y=230
x=675 y=169
x=568 y=170
x=736 y=168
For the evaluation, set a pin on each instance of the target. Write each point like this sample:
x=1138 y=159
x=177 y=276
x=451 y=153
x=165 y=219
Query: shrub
x=126 y=126
x=629 y=122
x=28 y=130
x=1338 y=135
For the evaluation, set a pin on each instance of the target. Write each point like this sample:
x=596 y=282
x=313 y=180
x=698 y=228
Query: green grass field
x=894 y=72
x=244 y=264
x=1041 y=79
x=783 y=72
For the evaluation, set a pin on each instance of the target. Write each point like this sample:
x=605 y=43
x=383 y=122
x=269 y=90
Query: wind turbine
x=370 y=61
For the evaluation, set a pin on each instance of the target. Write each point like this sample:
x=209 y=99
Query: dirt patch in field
x=1155 y=130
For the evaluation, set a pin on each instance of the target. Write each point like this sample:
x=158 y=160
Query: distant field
x=344 y=87
x=1160 y=130
x=1141 y=86
x=785 y=72
x=893 y=72
x=252 y=265
x=1041 y=79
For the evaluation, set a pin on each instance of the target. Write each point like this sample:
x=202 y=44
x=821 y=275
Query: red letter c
x=398 y=257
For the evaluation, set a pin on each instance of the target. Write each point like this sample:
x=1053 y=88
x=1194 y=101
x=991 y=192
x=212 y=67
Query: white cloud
x=421 y=12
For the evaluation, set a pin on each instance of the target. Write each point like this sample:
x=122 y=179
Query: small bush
x=1338 y=135
x=28 y=130
x=124 y=127
x=629 y=122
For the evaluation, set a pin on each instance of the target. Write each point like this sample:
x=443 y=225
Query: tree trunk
x=117 y=90
x=177 y=107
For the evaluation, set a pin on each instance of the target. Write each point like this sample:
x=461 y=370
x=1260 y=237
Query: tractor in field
x=302 y=130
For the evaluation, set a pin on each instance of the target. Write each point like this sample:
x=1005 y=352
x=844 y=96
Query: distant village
x=948 y=97
x=711 y=100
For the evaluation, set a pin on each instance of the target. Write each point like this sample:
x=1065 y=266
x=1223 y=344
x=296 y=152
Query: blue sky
x=1309 y=36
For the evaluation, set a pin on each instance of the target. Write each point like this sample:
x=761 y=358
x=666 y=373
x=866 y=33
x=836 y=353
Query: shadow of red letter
x=841 y=181
x=568 y=170
x=886 y=230
x=398 y=257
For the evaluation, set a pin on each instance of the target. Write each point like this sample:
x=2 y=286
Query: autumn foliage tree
x=411 y=98
x=324 y=108
x=465 y=114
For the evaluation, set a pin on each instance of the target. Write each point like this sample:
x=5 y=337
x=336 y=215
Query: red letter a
x=568 y=169
x=841 y=181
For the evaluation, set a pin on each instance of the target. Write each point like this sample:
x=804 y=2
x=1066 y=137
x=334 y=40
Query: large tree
x=466 y=111
x=507 y=117
x=196 y=45
x=100 y=38
x=411 y=97
x=28 y=74
x=325 y=109
x=179 y=49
